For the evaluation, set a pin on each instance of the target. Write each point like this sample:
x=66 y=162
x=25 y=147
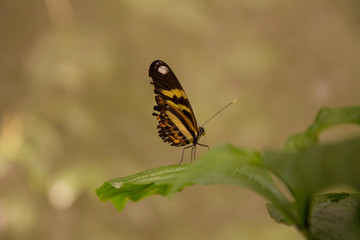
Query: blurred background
x=76 y=105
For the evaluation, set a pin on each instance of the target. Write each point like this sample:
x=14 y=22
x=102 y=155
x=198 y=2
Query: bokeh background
x=76 y=105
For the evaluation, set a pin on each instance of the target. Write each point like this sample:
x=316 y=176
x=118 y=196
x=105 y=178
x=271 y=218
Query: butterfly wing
x=176 y=118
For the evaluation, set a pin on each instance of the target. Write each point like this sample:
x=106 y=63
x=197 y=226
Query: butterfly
x=177 y=122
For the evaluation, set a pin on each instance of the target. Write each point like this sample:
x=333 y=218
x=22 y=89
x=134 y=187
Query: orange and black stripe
x=177 y=122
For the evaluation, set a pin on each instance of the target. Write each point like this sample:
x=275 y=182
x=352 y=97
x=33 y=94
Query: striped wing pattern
x=177 y=123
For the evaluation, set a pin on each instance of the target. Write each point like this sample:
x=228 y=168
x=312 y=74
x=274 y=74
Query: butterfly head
x=202 y=131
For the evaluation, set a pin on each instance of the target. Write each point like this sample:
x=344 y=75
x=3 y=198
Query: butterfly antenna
x=233 y=101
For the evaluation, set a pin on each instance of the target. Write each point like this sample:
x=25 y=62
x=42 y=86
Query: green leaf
x=325 y=118
x=334 y=216
x=307 y=168
x=140 y=185
x=277 y=215
x=222 y=165
x=229 y=165
x=315 y=169
x=318 y=167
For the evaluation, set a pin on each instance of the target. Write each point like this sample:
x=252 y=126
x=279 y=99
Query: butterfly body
x=177 y=122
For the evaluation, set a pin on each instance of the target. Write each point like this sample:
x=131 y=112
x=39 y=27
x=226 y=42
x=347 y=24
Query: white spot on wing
x=163 y=70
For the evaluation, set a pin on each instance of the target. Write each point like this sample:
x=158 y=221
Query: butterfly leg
x=194 y=148
x=182 y=156
x=203 y=145
x=191 y=154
